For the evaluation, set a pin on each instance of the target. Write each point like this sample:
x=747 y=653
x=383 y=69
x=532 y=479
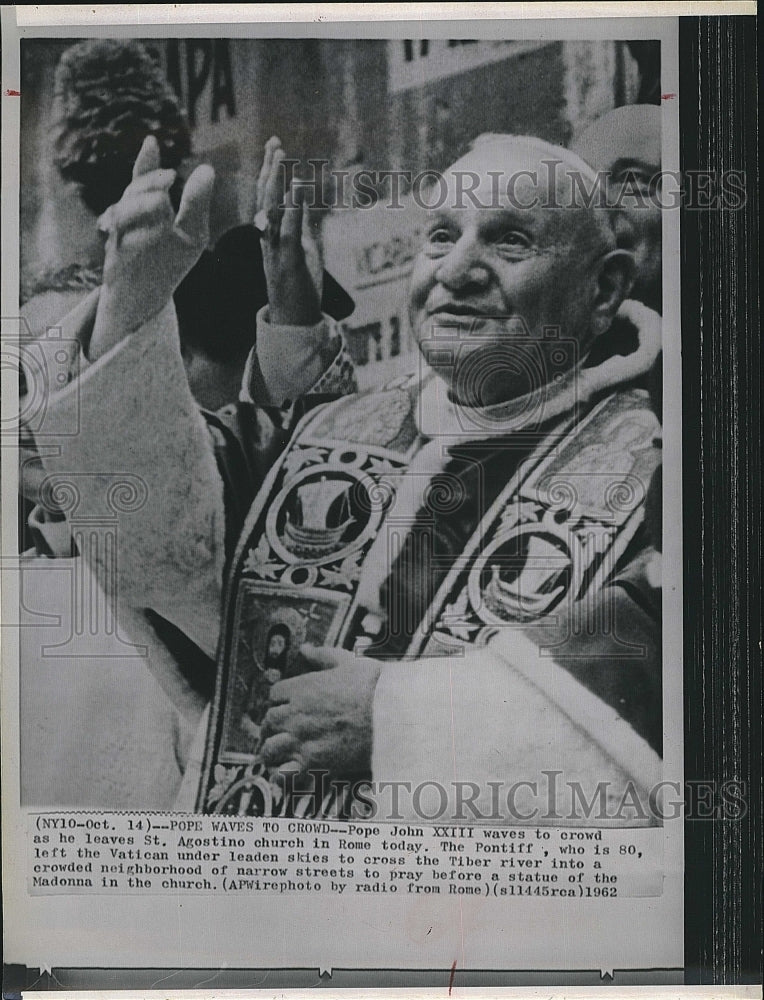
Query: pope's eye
x=440 y=235
x=514 y=239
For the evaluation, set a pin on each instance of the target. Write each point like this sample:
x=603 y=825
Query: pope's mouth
x=468 y=321
x=457 y=311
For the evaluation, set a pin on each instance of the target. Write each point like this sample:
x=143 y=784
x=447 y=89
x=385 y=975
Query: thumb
x=148 y=157
x=192 y=222
x=327 y=657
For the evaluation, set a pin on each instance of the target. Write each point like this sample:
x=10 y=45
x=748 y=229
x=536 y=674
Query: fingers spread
x=148 y=158
x=193 y=219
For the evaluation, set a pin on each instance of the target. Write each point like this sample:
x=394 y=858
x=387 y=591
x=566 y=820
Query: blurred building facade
x=362 y=105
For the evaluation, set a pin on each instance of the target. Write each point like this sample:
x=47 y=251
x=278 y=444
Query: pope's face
x=501 y=276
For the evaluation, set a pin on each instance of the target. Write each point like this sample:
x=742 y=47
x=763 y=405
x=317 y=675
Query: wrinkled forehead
x=516 y=171
x=537 y=183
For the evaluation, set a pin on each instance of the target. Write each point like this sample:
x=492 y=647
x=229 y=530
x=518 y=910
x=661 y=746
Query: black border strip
x=722 y=498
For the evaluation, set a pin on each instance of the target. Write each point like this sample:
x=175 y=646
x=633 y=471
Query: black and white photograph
x=471 y=458
x=347 y=470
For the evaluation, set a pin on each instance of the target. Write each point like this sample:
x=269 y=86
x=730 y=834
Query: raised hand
x=291 y=243
x=149 y=249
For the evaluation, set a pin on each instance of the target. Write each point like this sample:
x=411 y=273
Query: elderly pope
x=461 y=553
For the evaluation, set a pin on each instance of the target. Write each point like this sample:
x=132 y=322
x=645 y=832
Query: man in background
x=626 y=144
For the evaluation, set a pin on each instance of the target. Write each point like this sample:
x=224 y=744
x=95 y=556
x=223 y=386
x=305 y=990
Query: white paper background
x=355 y=932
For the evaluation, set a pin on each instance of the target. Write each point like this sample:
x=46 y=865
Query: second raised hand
x=291 y=243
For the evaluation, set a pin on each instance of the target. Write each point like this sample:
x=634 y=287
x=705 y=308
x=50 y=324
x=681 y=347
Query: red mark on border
x=13 y=93
x=451 y=978
x=668 y=97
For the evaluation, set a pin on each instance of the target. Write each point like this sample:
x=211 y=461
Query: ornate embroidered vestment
x=535 y=524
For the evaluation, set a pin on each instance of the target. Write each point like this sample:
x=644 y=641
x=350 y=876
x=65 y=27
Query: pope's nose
x=463 y=267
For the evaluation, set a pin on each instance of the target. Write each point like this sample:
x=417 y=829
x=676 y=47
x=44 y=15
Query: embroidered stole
x=333 y=515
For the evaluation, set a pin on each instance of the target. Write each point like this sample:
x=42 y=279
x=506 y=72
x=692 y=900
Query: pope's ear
x=614 y=277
